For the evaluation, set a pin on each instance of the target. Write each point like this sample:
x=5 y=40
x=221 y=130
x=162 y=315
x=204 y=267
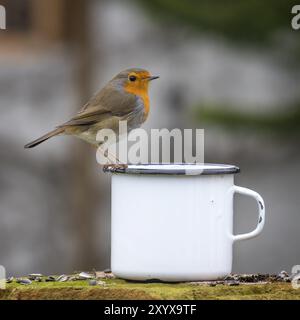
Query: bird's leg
x=105 y=156
x=115 y=165
x=118 y=165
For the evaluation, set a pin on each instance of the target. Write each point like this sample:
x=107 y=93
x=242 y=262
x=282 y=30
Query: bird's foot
x=115 y=167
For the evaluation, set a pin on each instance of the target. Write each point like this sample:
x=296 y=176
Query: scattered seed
x=64 y=279
x=107 y=270
x=283 y=276
x=92 y=282
x=50 y=279
x=84 y=276
x=33 y=276
x=232 y=277
x=100 y=274
x=10 y=280
x=24 y=281
x=204 y=283
x=233 y=283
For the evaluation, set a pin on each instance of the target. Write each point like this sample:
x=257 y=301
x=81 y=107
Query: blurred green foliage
x=283 y=123
x=251 y=22
x=241 y=20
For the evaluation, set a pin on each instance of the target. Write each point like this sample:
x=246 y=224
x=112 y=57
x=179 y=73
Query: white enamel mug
x=175 y=222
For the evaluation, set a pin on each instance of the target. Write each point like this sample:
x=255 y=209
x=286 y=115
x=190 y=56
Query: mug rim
x=174 y=169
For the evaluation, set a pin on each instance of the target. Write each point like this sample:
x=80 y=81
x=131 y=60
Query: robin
x=124 y=98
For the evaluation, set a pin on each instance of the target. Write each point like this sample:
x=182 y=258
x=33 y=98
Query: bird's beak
x=152 y=78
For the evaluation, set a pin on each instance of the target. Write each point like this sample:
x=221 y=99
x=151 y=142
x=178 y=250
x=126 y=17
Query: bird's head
x=134 y=80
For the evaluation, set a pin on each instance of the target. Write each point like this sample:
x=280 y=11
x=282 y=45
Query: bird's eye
x=132 y=78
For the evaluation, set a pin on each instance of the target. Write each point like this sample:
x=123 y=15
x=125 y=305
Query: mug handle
x=261 y=213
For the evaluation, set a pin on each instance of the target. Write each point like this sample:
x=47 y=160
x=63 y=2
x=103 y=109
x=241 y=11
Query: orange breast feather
x=141 y=91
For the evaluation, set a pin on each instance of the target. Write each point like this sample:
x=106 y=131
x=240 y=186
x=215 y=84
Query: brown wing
x=108 y=102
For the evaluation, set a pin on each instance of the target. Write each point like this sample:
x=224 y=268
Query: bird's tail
x=44 y=138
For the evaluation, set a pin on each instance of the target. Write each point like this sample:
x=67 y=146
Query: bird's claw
x=115 y=167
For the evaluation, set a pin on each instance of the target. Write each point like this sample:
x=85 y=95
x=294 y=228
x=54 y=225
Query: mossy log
x=120 y=289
